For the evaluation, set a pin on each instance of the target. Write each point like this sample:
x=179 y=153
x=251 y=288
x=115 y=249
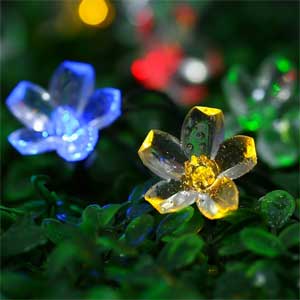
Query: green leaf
x=139 y=229
x=35 y=207
x=261 y=242
x=107 y=213
x=139 y=191
x=194 y=225
x=102 y=293
x=61 y=257
x=290 y=236
x=19 y=285
x=95 y=217
x=263 y=275
x=118 y=246
x=233 y=285
x=231 y=245
x=181 y=251
x=276 y=208
x=172 y=222
x=240 y=215
x=297 y=210
x=90 y=218
x=137 y=210
x=57 y=232
x=21 y=237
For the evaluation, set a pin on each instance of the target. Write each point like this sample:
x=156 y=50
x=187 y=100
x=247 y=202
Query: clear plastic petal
x=238 y=87
x=236 y=156
x=168 y=196
x=64 y=121
x=202 y=131
x=103 y=107
x=78 y=145
x=162 y=154
x=220 y=198
x=245 y=99
x=29 y=142
x=277 y=78
x=32 y=105
x=278 y=144
x=72 y=84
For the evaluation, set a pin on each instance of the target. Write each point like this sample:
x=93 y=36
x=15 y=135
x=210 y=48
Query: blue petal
x=78 y=145
x=29 y=142
x=103 y=108
x=32 y=105
x=72 y=84
x=64 y=121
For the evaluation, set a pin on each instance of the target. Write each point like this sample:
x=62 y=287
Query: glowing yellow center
x=93 y=12
x=200 y=172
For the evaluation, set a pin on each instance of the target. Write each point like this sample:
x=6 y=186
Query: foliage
x=110 y=253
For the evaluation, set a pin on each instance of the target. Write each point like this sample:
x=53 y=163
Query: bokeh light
x=95 y=12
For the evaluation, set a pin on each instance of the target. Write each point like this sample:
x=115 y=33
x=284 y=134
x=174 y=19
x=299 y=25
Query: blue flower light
x=68 y=117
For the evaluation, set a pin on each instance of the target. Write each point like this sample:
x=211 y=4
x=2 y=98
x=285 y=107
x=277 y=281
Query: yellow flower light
x=198 y=168
x=96 y=12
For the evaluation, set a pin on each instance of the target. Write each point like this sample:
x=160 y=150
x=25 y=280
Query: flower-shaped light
x=65 y=119
x=200 y=167
x=268 y=104
x=257 y=101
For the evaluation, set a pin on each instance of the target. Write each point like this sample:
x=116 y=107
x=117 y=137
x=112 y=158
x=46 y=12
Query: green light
x=276 y=88
x=283 y=65
x=232 y=75
x=251 y=123
x=286 y=160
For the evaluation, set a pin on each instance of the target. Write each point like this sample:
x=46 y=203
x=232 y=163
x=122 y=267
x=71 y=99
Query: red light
x=156 y=68
x=145 y=21
x=191 y=95
x=215 y=62
x=185 y=15
x=290 y=76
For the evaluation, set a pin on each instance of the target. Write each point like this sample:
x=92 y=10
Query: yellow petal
x=162 y=154
x=220 y=198
x=202 y=131
x=236 y=156
x=168 y=196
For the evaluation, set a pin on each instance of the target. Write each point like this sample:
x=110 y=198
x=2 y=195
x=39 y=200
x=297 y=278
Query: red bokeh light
x=191 y=95
x=185 y=15
x=156 y=68
x=145 y=21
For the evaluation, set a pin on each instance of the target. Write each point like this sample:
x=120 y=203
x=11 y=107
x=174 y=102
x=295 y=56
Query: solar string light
x=198 y=168
x=173 y=58
x=66 y=118
x=267 y=104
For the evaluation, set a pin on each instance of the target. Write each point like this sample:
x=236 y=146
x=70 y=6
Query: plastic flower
x=267 y=103
x=200 y=167
x=65 y=119
x=258 y=101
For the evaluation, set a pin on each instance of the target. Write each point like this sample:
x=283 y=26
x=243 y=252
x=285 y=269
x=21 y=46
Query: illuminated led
x=202 y=178
x=38 y=125
x=258 y=94
x=94 y=12
x=157 y=67
x=194 y=70
x=46 y=96
x=232 y=75
x=55 y=122
x=283 y=65
x=276 y=88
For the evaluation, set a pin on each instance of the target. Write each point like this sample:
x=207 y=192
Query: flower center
x=65 y=122
x=200 y=172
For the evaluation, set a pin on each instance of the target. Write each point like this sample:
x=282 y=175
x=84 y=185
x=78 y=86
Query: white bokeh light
x=194 y=70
